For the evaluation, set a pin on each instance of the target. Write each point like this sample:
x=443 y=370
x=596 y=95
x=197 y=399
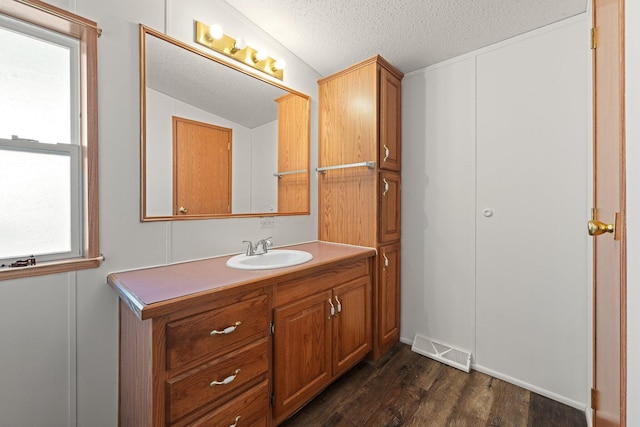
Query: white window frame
x=75 y=185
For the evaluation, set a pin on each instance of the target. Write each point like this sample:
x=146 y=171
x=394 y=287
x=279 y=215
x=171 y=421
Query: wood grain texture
x=609 y=195
x=351 y=324
x=387 y=299
x=360 y=121
x=403 y=388
x=389 y=149
x=348 y=134
x=293 y=153
x=302 y=352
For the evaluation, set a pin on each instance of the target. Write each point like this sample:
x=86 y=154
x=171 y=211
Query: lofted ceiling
x=330 y=35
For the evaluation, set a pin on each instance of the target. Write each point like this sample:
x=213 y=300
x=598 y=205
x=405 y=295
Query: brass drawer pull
x=386 y=152
x=235 y=423
x=226 y=330
x=386 y=187
x=227 y=380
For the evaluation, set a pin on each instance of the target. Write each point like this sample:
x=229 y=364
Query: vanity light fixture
x=214 y=38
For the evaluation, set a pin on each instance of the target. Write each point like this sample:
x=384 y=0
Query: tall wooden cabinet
x=359 y=181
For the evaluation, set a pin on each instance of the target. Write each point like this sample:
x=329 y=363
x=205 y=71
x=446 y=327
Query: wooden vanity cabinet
x=205 y=365
x=322 y=327
x=360 y=121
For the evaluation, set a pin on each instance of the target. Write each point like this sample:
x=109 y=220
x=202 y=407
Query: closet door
x=532 y=198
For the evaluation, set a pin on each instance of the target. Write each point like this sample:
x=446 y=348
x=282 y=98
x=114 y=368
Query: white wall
x=59 y=333
x=505 y=128
x=438 y=186
x=632 y=40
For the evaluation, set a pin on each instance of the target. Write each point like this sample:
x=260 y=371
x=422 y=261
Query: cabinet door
x=302 y=352
x=388 y=298
x=352 y=323
x=390 y=121
x=389 y=205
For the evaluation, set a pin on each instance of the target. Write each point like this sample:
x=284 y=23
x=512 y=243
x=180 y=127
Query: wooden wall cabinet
x=322 y=327
x=360 y=121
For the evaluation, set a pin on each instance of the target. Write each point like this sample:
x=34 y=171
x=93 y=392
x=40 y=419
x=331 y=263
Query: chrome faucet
x=260 y=248
x=250 y=249
x=263 y=245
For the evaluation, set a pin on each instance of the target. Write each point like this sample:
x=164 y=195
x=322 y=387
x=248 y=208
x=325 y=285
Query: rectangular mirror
x=217 y=141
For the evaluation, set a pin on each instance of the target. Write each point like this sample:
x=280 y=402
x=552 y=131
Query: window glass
x=35 y=81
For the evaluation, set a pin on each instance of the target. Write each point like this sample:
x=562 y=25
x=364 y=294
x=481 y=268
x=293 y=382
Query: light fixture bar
x=227 y=46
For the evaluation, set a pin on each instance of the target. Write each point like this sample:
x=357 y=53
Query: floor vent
x=442 y=353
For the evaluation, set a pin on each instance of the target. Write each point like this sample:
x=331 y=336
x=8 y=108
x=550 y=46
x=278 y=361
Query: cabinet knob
x=183 y=210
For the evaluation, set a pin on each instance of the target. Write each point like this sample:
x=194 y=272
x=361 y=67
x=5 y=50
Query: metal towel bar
x=280 y=174
x=370 y=165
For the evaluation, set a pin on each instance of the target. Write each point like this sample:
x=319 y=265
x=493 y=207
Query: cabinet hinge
x=272 y=328
x=594 y=38
x=594 y=399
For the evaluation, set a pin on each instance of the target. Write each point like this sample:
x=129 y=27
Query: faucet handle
x=250 y=248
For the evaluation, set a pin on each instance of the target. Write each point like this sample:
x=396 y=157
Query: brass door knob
x=597 y=228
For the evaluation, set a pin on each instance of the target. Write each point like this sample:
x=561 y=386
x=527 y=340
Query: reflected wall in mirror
x=217 y=141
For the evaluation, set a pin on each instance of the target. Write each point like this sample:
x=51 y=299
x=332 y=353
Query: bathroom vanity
x=202 y=343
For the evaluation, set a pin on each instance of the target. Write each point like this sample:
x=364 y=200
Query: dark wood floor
x=406 y=389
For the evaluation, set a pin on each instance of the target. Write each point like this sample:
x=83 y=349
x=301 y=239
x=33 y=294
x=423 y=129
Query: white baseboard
x=546 y=393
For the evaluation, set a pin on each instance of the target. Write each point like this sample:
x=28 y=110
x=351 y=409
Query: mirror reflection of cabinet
x=293 y=157
x=177 y=79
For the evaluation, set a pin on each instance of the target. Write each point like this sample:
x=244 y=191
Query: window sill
x=51 y=267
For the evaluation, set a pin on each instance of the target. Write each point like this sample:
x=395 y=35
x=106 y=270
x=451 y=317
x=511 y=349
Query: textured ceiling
x=235 y=96
x=330 y=35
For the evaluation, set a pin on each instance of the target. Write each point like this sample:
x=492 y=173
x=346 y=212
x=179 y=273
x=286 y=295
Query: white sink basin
x=276 y=258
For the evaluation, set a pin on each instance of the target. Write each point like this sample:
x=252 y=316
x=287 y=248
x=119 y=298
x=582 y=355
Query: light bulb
x=215 y=32
x=279 y=64
x=261 y=55
x=240 y=44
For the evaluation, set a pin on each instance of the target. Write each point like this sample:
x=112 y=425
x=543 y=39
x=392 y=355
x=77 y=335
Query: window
x=48 y=140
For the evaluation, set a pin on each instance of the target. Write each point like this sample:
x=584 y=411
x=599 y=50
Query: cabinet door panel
x=390 y=121
x=352 y=323
x=388 y=297
x=302 y=352
x=389 y=207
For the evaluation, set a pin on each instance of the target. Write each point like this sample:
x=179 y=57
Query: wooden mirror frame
x=143 y=32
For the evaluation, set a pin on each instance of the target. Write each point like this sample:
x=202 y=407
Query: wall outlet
x=267 y=222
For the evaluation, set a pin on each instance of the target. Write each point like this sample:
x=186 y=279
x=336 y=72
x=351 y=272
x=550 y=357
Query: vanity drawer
x=192 y=390
x=226 y=328
x=252 y=408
